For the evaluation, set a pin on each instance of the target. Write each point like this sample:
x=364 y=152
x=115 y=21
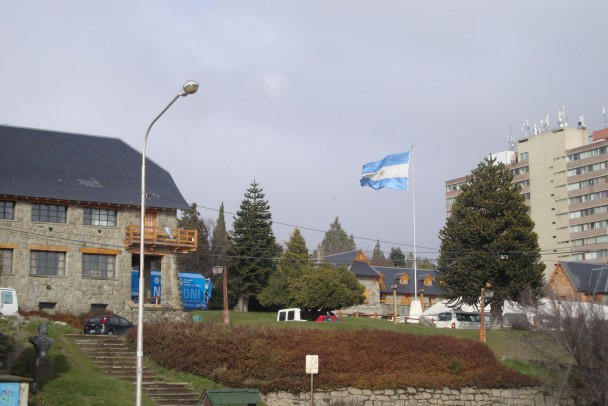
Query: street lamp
x=190 y=87
x=222 y=270
x=394 y=287
x=421 y=291
x=482 y=319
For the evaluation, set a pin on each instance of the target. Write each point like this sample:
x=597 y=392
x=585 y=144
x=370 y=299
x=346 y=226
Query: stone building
x=70 y=228
x=410 y=284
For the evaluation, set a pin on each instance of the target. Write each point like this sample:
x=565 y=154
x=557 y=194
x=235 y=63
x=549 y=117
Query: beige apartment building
x=564 y=177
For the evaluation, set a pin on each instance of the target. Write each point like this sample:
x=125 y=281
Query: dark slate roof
x=347 y=259
x=362 y=269
x=587 y=277
x=74 y=167
x=343 y=258
x=393 y=274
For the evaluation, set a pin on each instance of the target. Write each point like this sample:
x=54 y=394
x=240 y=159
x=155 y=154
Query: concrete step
x=116 y=360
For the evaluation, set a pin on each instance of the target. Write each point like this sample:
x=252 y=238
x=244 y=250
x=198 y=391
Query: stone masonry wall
x=73 y=293
x=416 y=396
x=373 y=303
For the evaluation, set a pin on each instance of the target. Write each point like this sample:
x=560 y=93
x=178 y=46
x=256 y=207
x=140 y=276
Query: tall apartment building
x=564 y=177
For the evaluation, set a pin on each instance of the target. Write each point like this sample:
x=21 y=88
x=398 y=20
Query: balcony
x=162 y=239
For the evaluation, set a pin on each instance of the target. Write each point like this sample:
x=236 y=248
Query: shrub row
x=272 y=359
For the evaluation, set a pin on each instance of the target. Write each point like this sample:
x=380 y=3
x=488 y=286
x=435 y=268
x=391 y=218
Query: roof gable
x=74 y=167
x=586 y=277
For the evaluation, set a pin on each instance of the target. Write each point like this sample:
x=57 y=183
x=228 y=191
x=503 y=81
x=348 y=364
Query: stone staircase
x=116 y=360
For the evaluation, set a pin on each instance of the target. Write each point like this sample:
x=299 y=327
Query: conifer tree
x=197 y=261
x=397 y=257
x=294 y=262
x=336 y=240
x=219 y=239
x=252 y=247
x=378 y=258
x=489 y=239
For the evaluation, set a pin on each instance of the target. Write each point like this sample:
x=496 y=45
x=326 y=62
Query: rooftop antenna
x=604 y=112
x=526 y=128
x=581 y=121
x=562 y=120
x=510 y=140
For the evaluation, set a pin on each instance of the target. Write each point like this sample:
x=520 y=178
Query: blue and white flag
x=390 y=172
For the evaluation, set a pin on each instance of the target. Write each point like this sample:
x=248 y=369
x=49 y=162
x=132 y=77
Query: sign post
x=312 y=368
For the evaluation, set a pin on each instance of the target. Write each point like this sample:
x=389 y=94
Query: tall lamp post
x=190 y=87
x=222 y=270
x=394 y=287
x=482 y=319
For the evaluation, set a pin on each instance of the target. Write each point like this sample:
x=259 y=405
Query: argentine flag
x=390 y=172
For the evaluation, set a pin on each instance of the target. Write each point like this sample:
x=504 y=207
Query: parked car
x=109 y=325
x=462 y=320
x=329 y=319
x=290 y=315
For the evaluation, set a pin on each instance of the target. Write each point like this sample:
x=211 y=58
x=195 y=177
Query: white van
x=463 y=320
x=8 y=302
x=290 y=315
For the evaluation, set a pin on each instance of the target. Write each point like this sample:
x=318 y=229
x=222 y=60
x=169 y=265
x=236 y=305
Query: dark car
x=329 y=319
x=109 y=325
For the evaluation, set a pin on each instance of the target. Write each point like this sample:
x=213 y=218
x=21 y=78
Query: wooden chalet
x=579 y=281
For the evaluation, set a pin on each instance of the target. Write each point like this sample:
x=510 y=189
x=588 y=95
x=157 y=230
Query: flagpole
x=414 y=223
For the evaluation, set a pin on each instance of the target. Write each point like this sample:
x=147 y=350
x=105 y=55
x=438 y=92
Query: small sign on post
x=312 y=364
x=312 y=368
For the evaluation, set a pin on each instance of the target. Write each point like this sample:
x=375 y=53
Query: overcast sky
x=298 y=95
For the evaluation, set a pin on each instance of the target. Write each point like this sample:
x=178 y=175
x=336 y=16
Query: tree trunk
x=243 y=304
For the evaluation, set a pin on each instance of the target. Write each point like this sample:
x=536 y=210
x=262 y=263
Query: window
x=7 y=210
x=588 y=212
x=99 y=217
x=6 y=262
x=6 y=297
x=587 y=169
x=98 y=266
x=47 y=307
x=519 y=171
x=47 y=263
x=523 y=156
x=50 y=213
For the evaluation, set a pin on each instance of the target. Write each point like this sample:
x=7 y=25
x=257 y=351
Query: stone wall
x=415 y=396
x=372 y=305
x=72 y=292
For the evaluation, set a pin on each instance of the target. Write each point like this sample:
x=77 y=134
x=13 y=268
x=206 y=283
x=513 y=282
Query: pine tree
x=489 y=239
x=294 y=262
x=219 y=239
x=197 y=261
x=336 y=240
x=252 y=247
x=378 y=258
x=397 y=257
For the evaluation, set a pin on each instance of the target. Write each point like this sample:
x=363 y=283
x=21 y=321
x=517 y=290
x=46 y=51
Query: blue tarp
x=196 y=289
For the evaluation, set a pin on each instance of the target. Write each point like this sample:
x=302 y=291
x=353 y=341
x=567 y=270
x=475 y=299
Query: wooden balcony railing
x=162 y=238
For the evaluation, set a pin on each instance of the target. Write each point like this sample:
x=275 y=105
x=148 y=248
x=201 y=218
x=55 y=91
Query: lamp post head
x=393 y=286
x=217 y=270
x=190 y=87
